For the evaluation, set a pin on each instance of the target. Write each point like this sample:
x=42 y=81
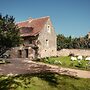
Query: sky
x=69 y=17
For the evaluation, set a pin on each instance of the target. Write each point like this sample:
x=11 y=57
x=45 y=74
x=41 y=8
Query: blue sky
x=69 y=17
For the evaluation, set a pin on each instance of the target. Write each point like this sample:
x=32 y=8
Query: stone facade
x=47 y=38
x=18 y=52
x=39 y=39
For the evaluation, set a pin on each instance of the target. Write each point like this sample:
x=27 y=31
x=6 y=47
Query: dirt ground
x=26 y=66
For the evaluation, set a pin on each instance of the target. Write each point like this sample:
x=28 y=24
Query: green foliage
x=79 y=65
x=43 y=81
x=65 y=61
x=69 y=42
x=9 y=33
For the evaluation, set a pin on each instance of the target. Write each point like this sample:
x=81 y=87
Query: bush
x=79 y=65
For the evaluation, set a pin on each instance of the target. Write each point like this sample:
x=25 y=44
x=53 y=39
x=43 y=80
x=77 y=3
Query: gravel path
x=69 y=71
x=23 y=66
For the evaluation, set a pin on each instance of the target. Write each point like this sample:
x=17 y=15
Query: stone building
x=39 y=39
x=88 y=35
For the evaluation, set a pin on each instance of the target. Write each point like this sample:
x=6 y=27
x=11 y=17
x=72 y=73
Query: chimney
x=30 y=19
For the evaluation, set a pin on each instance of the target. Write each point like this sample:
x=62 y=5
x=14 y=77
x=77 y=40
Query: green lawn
x=65 y=61
x=44 y=81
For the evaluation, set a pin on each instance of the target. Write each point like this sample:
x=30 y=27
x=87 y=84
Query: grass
x=43 y=81
x=65 y=61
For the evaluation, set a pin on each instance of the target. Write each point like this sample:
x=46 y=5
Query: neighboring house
x=39 y=39
x=88 y=35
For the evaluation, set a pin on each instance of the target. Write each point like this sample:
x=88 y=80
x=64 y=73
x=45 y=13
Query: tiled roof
x=32 y=27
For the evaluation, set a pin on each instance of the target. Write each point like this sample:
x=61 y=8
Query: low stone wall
x=66 y=52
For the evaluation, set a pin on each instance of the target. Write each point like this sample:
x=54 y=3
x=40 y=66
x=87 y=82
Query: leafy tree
x=60 y=41
x=69 y=42
x=9 y=33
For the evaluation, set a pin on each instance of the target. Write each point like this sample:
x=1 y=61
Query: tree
x=64 y=42
x=69 y=42
x=60 y=41
x=9 y=33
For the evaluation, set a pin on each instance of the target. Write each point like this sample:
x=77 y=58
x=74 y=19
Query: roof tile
x=32 y=27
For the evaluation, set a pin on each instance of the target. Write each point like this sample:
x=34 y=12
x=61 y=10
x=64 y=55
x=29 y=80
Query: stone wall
x=14 y=53
x=66 y=52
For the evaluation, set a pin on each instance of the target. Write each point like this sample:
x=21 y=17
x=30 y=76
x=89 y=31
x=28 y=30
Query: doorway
x=26 y=50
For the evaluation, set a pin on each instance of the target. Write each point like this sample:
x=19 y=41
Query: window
x=47 y=42
x=30 y=41
x=49 y=28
